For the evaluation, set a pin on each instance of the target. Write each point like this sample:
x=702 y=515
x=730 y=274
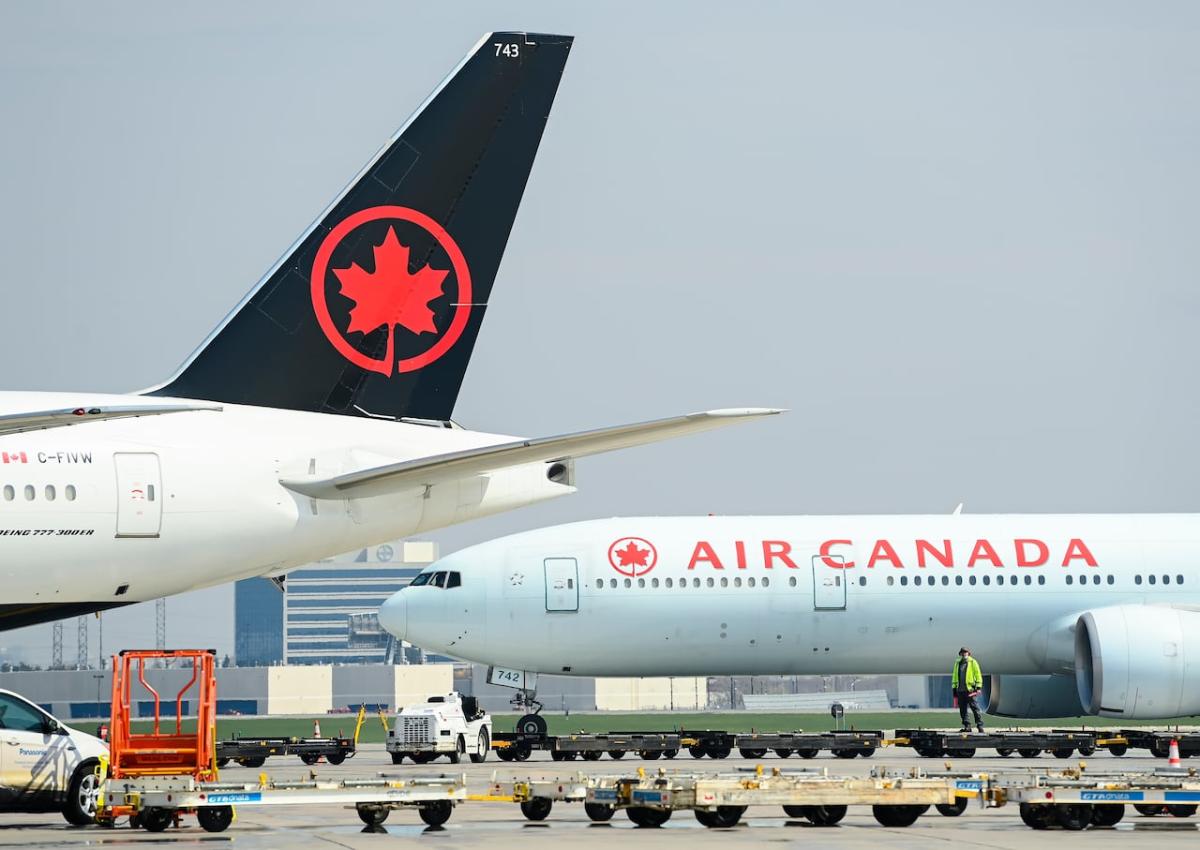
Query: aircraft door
x=562 y=584
x=829 y=584
x=139 y=494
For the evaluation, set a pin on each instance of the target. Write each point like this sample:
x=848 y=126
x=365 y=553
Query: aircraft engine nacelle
x=1034 y=696
x=1138 y=661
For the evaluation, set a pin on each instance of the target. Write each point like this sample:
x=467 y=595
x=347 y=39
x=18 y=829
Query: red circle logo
x=632 y=556
x=391 y=296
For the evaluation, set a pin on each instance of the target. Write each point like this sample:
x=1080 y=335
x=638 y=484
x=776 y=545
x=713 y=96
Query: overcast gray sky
x=958 y=240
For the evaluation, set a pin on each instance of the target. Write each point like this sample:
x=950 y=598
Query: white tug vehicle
x=452 y=725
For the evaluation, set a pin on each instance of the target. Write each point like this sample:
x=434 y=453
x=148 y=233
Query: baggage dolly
x=1075 y=800
x=535 y=796
x=938 y=743
x=1159 y=742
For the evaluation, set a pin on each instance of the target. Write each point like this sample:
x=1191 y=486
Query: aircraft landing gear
x=532 y=722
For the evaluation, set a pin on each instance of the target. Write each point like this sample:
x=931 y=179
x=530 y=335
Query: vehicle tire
x=807 y=754
x=698 y=752
x=1063 y=752
x=866 y=752
x=309 y=758
x=751 y=754
x=80 y=806
x=727 y=817
x=845 y=754
x=372 y=815
x=397 y=758
x=532 y=724
x=460 y=750
x=783 y=752
x=222 y=762
x=648 y=817
x=1073 y=816
x=1118 y=749
x=1004 y=752
x=952 y=810
x=1181 y=811
x=537 y=809
x=482 y=745
x=796 y=811
x=1149 y=810
x=523 y=753
x=1029 y=753
x=592 y=755
x=256 y=761
x=156 y=820
x=896 y=815
x=598 y=812
x=1087 y=751
x=961 y=753
x=437 y=812
x=650 y=755
x=506 y=753
x=1037 y=816
x=616 y=754
x=670 y=754
x=705 y=818
x=1107 y=815
x=824 y=815
x=719 y=752
x=335 y=758
x=557 y=755
x=217 y=818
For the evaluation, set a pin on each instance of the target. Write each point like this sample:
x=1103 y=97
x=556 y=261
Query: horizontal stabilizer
x=480 y=461
x=16 y=423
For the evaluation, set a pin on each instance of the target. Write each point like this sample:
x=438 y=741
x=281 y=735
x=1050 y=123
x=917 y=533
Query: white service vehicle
x=45 y=765
x=452 y=725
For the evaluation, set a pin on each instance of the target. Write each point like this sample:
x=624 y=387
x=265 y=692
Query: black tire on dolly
x=896 y=815
x=616 y=754
x=1108 y=814
x=807 y=754
x=218 y=818
x=1118 y=749
x=1073 y=816
x=537 y=809
x=824 y=815
x=436 y=812
x=645 y=817
x=1038 y=816
x=953 y=810
x=598 y=812
x=783 y=752
x=156 y=820
x=372 y=815
x=1004 y=752
x=1029 y=752
x=1181 y=811
x=796 y=811
x=747 y=753
x=335 y=758
x=1149 y=810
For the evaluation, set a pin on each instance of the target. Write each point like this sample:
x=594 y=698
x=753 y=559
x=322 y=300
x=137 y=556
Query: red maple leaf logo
x=391 y=295
x=632 y=556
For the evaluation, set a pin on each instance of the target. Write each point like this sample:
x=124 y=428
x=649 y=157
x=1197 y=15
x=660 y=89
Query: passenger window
x=641 y=582
x=737 y=581
x=20 y=716
x=709 y=582
x=917 y=581
x=599 y=584
x=958 y=580
x=750 y=581
x=695 y=582
x=724 y=582
x=1029 y=579
x=9 y=493
x=69 y=492
x=792 y=581
x=612 y=583
x=1137 y=579
x=628 y=583
x=668 y=582
x=654 y=582
x=29 y=492
x=1150 y=579
x=1095 y=579
x=1166 y=579
x=891 y=581
x=1110 y=579
x=50 y=493
x=1178 y=579
x=987 y=579
x=455 y=580
x=904 y=581
x=1012 y=580
x=862 y=581
x=765 y=583
x=1070 y=580
x=1041 y=579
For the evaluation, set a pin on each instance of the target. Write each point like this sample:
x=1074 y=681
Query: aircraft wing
x=485 y=459
x=16 y=423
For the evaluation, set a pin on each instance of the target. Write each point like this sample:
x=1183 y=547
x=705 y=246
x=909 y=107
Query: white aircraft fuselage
x=829 y=595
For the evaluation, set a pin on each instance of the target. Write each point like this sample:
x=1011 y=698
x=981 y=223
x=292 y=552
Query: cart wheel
x=1118 y=749
x=866 y=752
x=372 y=815
x=335 y=758
x=506 y=753
x=1029 y=753
x=215 y=818
x=697 y=752
x=795 y=811
x=845 y=754
x=1183 y=811
x=783 y=752
x=670 y=754
x=532 y=724
x=1073 y=816
x=156 y=820
x=222 y=762
x=824 y=815
x=650 y=755
x=437 y=812
x=1004 y=752
x=952 y=810
x=1149 y=810
x=598 y=812
x=648 y=817
x=962 y=753
x=257 y=761
x=523 y=753
x=1063 y=752
x=1108 y=815
x=807 y=754
x=616 y=754
x=423 y=758
x=309 y=758
x=896 y=815
x=592 y=755
x=482 y=745
x=397 y=758
x=1087 y=751
x=719 y=752
x=751 y=754
x=460 y=750
x=1037 y=816
x=723 y=817
x=537 y=809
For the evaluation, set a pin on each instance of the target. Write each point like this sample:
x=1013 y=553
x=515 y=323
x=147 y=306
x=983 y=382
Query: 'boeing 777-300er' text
x=1071 y=614
x=316 y=417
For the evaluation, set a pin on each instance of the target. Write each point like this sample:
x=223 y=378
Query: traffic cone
x=1173 y=754
x=316 y=728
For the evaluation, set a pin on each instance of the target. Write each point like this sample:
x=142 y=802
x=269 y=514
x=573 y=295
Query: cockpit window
x=421 y=579
x=453 y=580
x=439 y=579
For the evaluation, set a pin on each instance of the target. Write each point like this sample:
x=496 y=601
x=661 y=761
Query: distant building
x=326 y=612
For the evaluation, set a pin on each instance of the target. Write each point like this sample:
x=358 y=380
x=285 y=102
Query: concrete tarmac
x=501 y=826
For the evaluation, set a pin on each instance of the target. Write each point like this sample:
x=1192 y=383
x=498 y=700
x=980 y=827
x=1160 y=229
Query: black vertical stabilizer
x=375 y=310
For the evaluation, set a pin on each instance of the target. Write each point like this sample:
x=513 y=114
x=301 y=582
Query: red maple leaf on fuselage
x=391 y=295
x=632 y=556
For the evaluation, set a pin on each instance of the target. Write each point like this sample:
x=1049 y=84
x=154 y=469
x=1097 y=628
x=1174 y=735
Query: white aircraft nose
x=393 y=615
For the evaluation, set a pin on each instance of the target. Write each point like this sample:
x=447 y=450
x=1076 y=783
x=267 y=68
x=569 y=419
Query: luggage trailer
x=518 y=746
x=1062 y=743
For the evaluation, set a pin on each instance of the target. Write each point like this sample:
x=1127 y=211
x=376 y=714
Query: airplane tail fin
x=374 y=311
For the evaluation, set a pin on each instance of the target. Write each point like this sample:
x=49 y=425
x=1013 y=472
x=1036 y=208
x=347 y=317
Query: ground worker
x=967 y=682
